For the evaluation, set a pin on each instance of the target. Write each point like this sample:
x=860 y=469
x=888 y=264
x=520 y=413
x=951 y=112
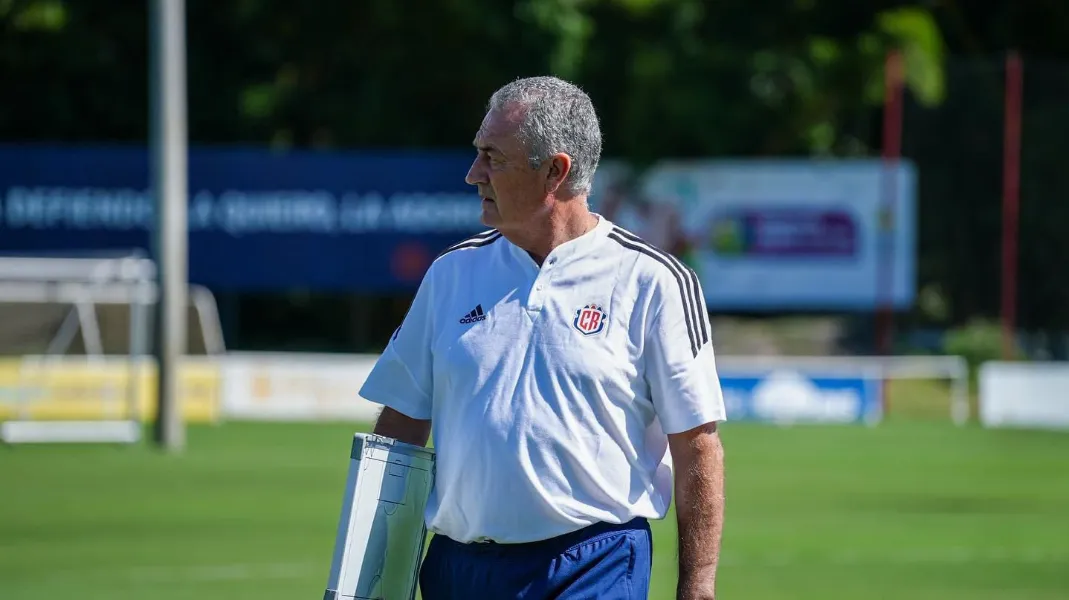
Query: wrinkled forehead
x=499 y=129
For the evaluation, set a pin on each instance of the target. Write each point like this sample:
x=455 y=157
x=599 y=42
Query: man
x=558 y=358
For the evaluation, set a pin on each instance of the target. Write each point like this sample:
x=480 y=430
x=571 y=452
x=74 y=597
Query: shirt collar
x=571 y=248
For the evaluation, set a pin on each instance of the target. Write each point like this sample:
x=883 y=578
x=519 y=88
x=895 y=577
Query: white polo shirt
x=551 y=390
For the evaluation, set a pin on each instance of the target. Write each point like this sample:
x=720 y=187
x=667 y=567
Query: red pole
x=1011 y=190
x=894 y=75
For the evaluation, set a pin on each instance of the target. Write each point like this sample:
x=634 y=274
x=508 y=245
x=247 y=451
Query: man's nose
x=475 y=175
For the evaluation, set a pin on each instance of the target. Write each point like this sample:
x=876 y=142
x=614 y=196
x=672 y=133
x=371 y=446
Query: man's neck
x=559 y=228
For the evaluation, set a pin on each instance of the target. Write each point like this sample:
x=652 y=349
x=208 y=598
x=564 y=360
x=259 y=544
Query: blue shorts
x=602 y=561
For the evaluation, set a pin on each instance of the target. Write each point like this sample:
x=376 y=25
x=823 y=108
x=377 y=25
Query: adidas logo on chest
x=474 y=316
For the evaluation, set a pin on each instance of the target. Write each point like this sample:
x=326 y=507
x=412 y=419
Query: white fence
x=1025 y=395
x=324 y=387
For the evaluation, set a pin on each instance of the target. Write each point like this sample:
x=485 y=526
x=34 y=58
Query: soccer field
x=903 y=510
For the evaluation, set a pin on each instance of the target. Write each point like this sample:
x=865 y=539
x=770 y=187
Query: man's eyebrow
x=485 y=147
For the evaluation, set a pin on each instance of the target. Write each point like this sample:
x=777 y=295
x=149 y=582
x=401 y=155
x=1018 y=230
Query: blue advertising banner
x=801 y=396
x=761 y=235
x=258 y=220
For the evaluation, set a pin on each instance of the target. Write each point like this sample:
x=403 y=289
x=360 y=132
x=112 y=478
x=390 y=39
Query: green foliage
x=566 y=21
x=977 y=342
x=671 y=77
x=915 y=32
x=40 y=15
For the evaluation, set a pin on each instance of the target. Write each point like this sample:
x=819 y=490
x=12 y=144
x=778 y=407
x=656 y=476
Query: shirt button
x=539 y=287
x=552 y=261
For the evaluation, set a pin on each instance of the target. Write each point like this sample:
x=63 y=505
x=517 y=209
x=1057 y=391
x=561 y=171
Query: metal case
x=381 y=532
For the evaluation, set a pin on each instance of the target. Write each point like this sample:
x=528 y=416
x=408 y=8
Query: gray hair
x=558 y=118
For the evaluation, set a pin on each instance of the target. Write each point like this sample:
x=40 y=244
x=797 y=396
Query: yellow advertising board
x=79 y=388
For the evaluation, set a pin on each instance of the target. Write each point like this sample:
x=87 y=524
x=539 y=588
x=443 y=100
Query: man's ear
x=560 y=165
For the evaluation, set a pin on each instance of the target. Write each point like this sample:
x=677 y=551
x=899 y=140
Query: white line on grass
x=905 y=557
x=177 y=574
x=231 y=572
x=191 y=573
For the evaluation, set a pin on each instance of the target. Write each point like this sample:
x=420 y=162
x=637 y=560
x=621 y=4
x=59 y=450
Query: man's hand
x=395 y=425
x=698 y=458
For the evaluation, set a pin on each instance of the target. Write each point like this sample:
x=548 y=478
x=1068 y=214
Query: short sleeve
x=680 y=365
x=402 y=377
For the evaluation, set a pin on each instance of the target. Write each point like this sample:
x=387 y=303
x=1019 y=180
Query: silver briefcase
x=381 y=532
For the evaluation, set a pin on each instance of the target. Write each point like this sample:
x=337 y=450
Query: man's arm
x=686 y=393
x=698 y=457
x=395 y=425
x=402 y=379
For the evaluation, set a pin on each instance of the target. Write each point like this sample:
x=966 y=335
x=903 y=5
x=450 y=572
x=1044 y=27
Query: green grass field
x=904 y=510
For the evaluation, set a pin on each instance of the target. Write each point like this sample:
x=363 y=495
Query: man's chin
x=489 y=217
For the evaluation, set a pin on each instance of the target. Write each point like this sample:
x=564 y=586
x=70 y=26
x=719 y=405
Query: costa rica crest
x=589 y=319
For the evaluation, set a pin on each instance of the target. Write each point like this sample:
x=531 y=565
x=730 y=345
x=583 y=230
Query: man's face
x=512 y=192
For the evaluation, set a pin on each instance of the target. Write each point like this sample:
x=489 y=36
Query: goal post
x=75 y=338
